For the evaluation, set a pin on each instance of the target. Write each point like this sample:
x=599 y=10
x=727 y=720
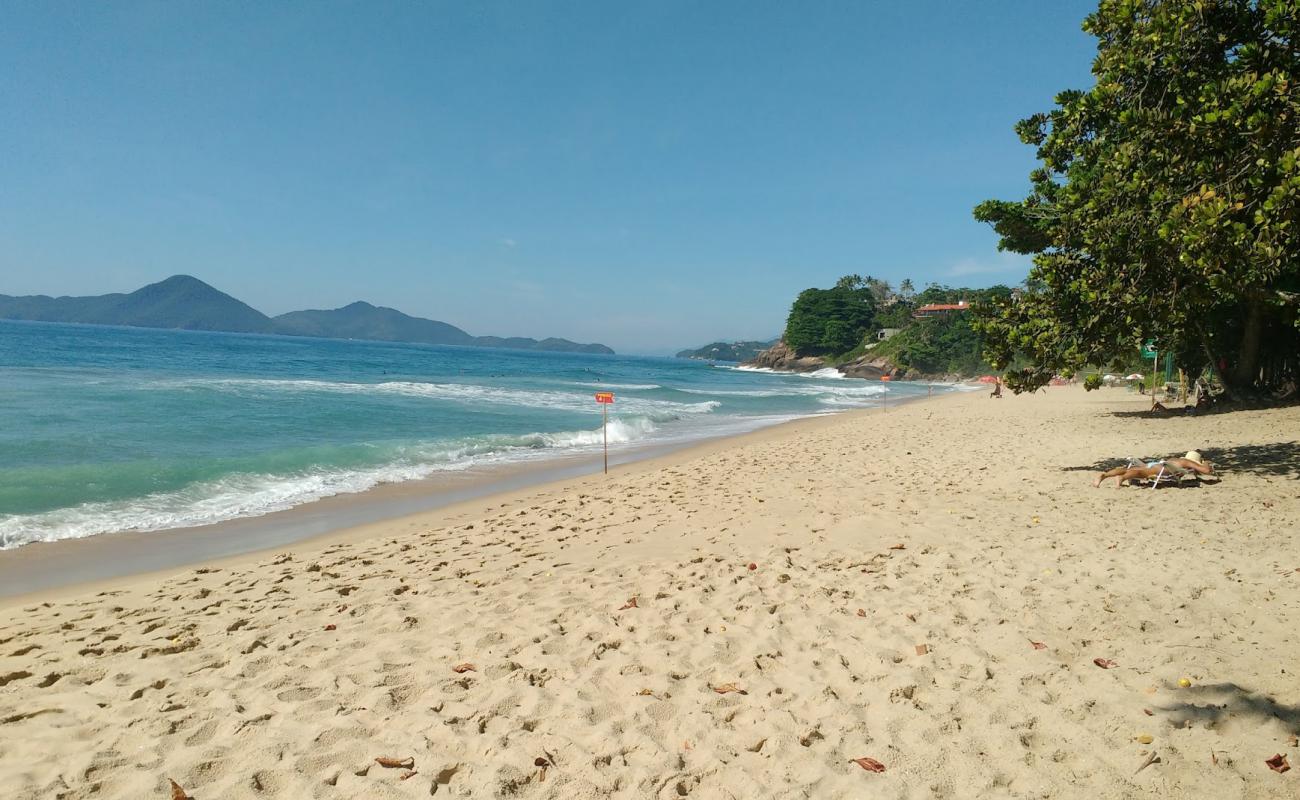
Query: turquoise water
x=110 y=429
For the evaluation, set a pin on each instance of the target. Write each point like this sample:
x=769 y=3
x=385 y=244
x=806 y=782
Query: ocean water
x=112 y=429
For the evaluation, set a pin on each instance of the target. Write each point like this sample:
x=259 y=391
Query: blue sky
x=648 y=175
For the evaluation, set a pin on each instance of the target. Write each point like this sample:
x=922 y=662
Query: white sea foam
x=848 y=400
x=627 y=387
x=230 y=497
x=467 y=393
x=864 y=389
x=256 y=494
x=826 y=373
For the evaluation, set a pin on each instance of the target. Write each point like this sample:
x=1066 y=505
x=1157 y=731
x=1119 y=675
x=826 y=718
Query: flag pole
x=604 y=429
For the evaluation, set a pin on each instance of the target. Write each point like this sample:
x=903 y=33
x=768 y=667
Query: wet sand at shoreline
x=905 y=570
x=43 y=569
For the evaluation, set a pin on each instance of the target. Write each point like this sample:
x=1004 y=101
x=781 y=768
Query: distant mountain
x=178 y=302
x=364 y=321
x=187 y=303
x=727 y=351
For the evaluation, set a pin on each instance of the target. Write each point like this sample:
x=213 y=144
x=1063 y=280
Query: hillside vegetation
x=946 y=345
x=840 y=326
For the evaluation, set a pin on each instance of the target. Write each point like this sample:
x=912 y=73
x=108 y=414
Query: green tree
x=830 y=321
x=1167 y=202
x=881 y=290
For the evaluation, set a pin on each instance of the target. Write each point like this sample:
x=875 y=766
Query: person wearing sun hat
x=1192 y=462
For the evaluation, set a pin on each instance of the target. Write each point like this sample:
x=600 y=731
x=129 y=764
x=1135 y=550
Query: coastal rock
x=781 y=358
x=871 y=368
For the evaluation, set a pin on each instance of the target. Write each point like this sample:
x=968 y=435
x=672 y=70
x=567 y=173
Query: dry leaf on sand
x=1104 y=663
x=1278 y=763
x=862 y=612
x=1151 y=758
x=869 y=764
x=922 y=649
x=466 y=667
x=898 y=547
x=728 y=688
x=631 y=603
x=394 y=763
x=408 y=774
x=177 y=792
x=331 y=627
x=1037 y=645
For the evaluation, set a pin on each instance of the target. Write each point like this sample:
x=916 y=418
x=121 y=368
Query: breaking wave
x=465 y=393
x=253 y=494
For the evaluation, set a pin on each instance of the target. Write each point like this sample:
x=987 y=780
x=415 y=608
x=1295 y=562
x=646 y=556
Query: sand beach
x=937 y=588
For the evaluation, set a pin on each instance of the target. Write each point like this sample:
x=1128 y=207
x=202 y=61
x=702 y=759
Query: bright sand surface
x=286 y=675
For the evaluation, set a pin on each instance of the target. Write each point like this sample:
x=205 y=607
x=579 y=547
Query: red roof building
x=936 y=309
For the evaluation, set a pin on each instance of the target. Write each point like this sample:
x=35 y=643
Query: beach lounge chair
x=1168 y=474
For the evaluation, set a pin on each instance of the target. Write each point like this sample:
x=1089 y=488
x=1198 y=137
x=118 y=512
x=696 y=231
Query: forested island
x=727 y=351
x=186 y=303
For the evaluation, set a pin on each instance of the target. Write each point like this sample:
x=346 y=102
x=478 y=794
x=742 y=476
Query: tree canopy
x=828 y=321
x=1167 y=200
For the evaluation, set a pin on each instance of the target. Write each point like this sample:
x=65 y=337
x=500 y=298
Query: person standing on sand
x=1191 y=462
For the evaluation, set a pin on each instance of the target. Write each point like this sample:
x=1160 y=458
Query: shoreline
x=946 y=594
x=40 y=570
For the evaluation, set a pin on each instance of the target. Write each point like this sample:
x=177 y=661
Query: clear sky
x=651 y=175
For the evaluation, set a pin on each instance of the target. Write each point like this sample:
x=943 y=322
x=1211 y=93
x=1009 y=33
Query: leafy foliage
x=825 y=321
x=840 y=324
x=944 y=345
x=1167 y=203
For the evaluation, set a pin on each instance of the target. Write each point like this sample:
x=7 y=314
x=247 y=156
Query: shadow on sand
x=1278 y=458
x=1214 y=704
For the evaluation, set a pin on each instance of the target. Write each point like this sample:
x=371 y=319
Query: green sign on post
x=1149 y=348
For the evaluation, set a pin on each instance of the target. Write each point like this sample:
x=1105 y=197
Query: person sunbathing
x=1170 y=467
